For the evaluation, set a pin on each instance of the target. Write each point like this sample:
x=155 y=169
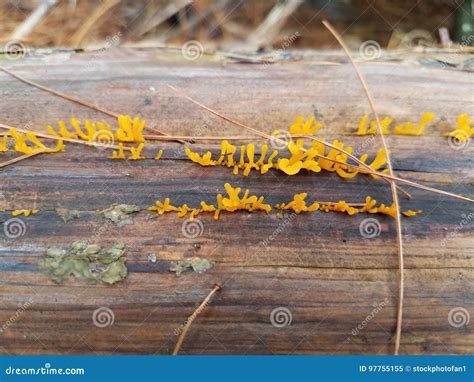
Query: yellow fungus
x=373 y=129
x=4 y=144
x=234 y=201
x=161 y=208
x=64 y=132
x=463 y=129
x=231 y=203
x=298 y=204
x=369 y=205
x=118 y=154
x=28 y=143
x=135 y=152
x=159 y=154
x=391 y=211
x=300 y=159
x=410 y=213
x=300 y=127
x=130 y=130
x=409 y=128
x=25 y=213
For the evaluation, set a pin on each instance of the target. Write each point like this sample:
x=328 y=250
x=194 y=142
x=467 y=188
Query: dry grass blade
x=192 y=317
x=392 y=186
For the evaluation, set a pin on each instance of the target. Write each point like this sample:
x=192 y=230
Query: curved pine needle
x=268 y=136
x=72 y=99
x=192 y=317
x=362 y=170
x=393 y=186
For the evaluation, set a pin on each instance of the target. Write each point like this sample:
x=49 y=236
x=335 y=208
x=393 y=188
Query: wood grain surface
x=318 y=267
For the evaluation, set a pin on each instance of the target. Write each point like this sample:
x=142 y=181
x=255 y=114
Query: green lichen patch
x=85 y=261
x=68 y=215
x=120 y=214
x=197 y=264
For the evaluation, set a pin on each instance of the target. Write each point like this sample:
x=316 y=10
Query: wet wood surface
x=339 y=288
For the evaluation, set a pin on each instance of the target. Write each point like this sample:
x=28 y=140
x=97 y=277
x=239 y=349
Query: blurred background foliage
x=235 y=24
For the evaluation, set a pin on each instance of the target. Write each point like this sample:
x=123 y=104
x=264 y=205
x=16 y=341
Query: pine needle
x=192 y=317
x=362 y=170
x=20 y=158
x=72 y=99
x=392 y=185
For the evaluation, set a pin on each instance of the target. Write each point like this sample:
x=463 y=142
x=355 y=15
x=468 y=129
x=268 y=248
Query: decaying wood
x=317 y=265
